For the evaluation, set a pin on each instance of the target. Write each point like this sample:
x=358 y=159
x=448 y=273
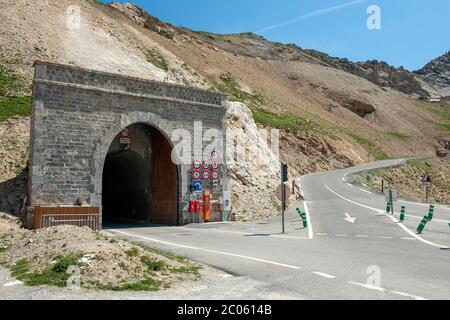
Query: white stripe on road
x=401 y=293
x=390 y=217
x=367 y=286
x=325 y=275
x=322 y=234
x=209 y=250
x=308 y=219
x=407 y=238
x=361 y=236
x=383 y=237
x=366 y=191
x=340 y=235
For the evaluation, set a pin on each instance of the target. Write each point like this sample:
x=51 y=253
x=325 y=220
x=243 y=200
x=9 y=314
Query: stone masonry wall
x=77 y=113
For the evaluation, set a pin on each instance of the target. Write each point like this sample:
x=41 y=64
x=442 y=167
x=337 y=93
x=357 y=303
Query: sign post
x=284 y=178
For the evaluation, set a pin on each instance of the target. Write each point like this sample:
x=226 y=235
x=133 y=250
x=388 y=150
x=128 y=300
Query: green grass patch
x=55 y=276
x=187 y=269
x=3 y=248
x=445 y=126
x=132 y=252
x=288 y=122
x=229 y=85
x=368 y=144
x=10 y=83
x=156 y=59
x=398 y=135
x=153 y=264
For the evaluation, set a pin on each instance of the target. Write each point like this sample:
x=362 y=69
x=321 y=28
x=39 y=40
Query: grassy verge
x=441 y=110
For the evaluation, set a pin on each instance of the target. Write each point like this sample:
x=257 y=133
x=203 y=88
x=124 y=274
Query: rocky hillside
x=437 y=73
x=328 y=115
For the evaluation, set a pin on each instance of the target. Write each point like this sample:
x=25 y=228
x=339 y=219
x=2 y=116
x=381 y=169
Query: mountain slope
x=328 y=118
x=437 y=73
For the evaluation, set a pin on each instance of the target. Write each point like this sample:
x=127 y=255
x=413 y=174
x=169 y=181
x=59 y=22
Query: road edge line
x=208 y=250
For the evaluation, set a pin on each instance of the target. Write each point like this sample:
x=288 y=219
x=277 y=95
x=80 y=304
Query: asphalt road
x=372 y=257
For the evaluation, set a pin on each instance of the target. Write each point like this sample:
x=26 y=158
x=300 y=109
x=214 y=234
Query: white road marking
x=366 y=191
x=361 y=236
x=407 y=238
x=322 y=234
x=209 y=250
x=13 y=283
x=308 y=219
x=384 y=237
x=390 y=217
x=367 y=286
x=325 y=275
x=254 y=234
x=401 y=293
x=341 y=235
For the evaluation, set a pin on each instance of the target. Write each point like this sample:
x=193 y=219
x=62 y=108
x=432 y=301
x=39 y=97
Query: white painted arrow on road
x=350 y=219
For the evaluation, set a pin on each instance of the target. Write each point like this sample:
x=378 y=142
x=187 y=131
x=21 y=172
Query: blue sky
x=413 y=32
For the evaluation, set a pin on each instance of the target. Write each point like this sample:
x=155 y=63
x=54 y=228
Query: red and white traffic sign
x=215 y=175
x=206 y=175
x=214 y=154
x=205 y=164
x=215 y=165
x=196 y=164
x=125 y=133
x=196 y=174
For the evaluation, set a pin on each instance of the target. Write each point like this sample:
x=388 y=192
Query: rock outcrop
x=437 y=73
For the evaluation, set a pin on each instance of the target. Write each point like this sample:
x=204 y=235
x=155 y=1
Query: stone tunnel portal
x=140 y=181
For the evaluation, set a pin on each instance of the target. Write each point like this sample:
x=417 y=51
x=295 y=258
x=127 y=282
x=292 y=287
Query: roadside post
x=431 y=212
x=402 y=213
x=391 y=197
x=422 y=225
x=303 y=217
x=427 y=183
x=391 y=200
x=284 y=178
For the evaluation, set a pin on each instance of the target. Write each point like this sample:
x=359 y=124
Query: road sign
x=125 y=140
x=206 y=175
x=205 y=164
x=196 y=165
x=287 y=190
x=198 y=185
x=284 y=172
x=226 y=200
x=215 y=175
x=427 y=181
x=125 y=133
x=196 y=175
x=214 y=155
x=215 y=165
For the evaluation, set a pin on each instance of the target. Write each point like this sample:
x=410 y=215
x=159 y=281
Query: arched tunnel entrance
x=140 y=181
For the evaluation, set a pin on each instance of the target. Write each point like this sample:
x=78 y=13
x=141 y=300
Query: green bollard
x=430 y=212
x=388 y=207
x=402 y=213
x=305 y=222
x=422 y=225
